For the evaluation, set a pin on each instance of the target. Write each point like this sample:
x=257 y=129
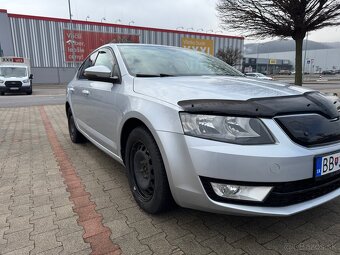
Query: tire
x=29 y=92
x=75 y=135
x=146 y=172
x=2 y=93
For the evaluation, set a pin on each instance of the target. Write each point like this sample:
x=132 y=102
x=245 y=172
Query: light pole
x=190 y=28
x=200 y=29
x=210 y=30
x=87 y=17
x=257 y=56
x=177 y=28
x=118 y=21
x=72 y=34
x=304 y=60
x=131 y=22
x=103 y=19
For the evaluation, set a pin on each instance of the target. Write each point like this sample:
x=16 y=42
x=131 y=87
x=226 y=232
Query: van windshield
x=8 y=72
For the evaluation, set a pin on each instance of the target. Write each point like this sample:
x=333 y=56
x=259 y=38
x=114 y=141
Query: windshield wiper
x=154 y=75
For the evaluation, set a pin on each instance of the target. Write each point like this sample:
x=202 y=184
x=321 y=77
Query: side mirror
x=101 y=73
x=31 y=77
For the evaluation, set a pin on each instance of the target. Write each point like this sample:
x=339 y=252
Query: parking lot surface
x=60 y=198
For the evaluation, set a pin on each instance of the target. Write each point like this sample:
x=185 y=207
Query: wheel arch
x=129 y=125
x=67 y=107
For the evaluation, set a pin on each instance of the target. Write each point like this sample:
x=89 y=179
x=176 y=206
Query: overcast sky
x=170 y=14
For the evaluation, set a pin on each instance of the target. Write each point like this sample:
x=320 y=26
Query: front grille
x=10 y=84
x=283 y=194
x=301 y=191
x=310 y=130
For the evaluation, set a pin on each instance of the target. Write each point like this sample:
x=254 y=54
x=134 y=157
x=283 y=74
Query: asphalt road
x=42 y=95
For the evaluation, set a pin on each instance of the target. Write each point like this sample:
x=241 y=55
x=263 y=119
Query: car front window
x=13 y=72
x=142 y=60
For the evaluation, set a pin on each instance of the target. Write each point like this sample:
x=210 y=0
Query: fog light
x=249 y=193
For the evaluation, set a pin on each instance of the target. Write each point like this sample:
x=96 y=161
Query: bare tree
x=230 y=56
x=280 y=18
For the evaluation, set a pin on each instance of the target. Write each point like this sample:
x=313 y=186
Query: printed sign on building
x=12 y=60
x=78 y=44
x=203 y=45
x=272 y=61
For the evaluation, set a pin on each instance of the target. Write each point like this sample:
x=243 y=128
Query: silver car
x=193 y=131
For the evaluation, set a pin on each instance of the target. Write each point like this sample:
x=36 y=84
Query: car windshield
x=158 y=61
x=13 y=72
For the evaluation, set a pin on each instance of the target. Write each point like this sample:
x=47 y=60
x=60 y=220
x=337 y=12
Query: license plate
x=14 y=88
x=327 y=164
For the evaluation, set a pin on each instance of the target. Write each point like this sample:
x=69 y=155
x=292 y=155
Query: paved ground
x=42 y=95
x=61 y=198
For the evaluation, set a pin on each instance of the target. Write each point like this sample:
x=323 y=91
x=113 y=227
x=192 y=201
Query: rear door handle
x=85 y=92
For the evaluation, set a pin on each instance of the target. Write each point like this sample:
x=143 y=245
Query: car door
x=79 y=94
x=103 y=102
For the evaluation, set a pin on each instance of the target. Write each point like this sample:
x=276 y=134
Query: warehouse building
x=57 y=46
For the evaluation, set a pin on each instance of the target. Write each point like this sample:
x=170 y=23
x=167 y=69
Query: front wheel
x=146 y=172
x=75 y=135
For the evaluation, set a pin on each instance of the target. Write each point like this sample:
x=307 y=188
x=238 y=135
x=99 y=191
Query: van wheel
x=146 y=172
x=75 y=135
x=29 y=92
x=2 y=93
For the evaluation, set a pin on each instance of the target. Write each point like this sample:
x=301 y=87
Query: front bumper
x=187 y=159
x=16 y=89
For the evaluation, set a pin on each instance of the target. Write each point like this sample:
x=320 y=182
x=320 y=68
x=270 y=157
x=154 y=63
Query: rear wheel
x=2 y=93
x=146 y=172
x=75 y=135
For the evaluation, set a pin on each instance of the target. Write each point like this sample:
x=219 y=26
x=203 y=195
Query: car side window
x=86 y=64
x=107 y=58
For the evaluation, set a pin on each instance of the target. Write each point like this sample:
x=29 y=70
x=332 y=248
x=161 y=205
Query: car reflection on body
x=258 y=76
x=193 y=131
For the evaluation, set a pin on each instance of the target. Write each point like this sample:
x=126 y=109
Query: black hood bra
x=270 y=107
x=309 y=119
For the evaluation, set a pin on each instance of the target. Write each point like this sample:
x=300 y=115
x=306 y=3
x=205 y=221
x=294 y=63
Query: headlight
x=26 y=81
x=228 y=129
x=1 y=81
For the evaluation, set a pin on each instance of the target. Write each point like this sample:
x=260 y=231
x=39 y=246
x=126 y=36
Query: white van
x=15 y=75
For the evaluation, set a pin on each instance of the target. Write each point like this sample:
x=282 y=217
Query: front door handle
x=85 y=92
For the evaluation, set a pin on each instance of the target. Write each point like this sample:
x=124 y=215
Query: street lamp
x=87 y=17
x=118 y=21
x=131 y=22
x=210 y=30
x=103 y=19
x=304 y=60
x=177 y=28
x=72 y=34
x=200 y=29
x=218 y=31
x=190 y=28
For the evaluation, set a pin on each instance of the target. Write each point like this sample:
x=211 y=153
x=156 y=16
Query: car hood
x=175 y=89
